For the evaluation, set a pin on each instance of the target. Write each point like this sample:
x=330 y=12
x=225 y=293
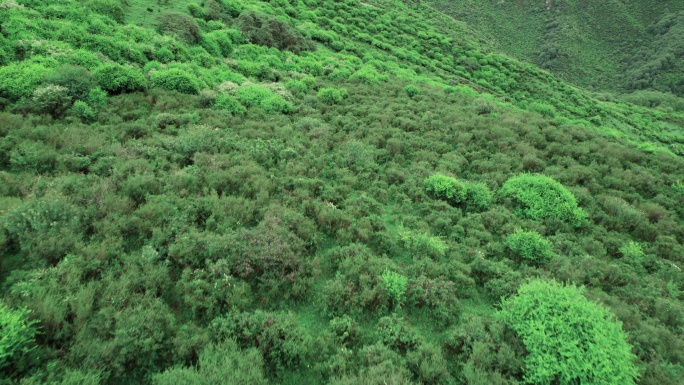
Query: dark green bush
x=222 y=363
x=51 y=99
x=569 y=339
x=176 y=80
x=180 y=25
x=76 y=79
x=282 y=342
x=118 y=79
x=110 y=8
x=267 y=30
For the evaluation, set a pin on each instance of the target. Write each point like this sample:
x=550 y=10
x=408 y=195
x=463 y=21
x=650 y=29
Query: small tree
x=569 y=339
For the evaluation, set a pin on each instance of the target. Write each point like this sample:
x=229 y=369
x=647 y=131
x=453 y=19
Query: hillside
x=324 y=192
x=606 y=45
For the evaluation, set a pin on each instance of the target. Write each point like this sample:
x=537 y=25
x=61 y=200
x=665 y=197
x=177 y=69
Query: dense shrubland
x=195 y=201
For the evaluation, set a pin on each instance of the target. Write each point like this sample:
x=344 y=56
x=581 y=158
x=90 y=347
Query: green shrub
x=395 y=284
x=252 y=95
x=76 y=79
x=110 y=8
x=633 y=252
x=445 y=187
x=176 y=80
x=118 y=79
x=267 y=30
x=411 y=90
x=530 y=246
x=472 y=194
x=283 y=343
x=164 y=55
x=222 y=363
x=83 y=111
x=276 y=103
x=296 y=87
x=332 y=95
x=478 y=195
x=97 y=98
x=222 y=41
x=51 y=99
x=180 y=25
x=368 y=75
x=17 y=336
x=569 y=339
x=544 y=109
x=537 y=197
x=229 y=103
x=20 y=79
x=483 y=106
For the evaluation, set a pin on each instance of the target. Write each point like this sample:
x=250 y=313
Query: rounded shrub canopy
x=569 y=339
x=539 y=197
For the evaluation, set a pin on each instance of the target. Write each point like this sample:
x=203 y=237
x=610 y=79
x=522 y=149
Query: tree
x=569 y=339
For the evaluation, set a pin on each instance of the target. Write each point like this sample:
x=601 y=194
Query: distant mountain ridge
x=607 y=45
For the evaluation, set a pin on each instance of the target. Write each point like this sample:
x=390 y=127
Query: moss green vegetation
x=322 y=192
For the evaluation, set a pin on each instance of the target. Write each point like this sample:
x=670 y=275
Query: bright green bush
x=296 y=87
x=478 y=195
x=229 y=103
x=20 y=79
x=176 y=80
x=253 y=95
x=411 y=90
x=16 y=334
x=276 y=103
x=569 y=339
x=164 y=55
x=259 y=96
x=83 y=111
x=395 y=284
x=118 y=79
x=537 y=197
x=446 y=187
x=332 y=95
x=530 y=246
x=472 y=194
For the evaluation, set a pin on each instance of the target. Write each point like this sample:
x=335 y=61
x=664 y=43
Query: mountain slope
x=296 y=192
x=608 y=45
